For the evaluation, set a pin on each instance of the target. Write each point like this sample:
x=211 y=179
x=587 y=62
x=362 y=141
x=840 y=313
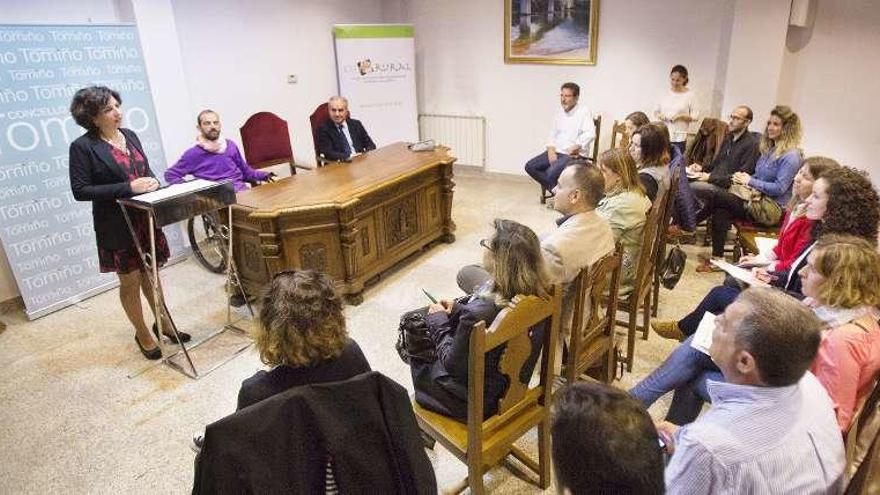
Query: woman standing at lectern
x=107 y=163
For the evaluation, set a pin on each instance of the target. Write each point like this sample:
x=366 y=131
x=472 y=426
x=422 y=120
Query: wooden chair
x=591 y=342
x=266 y=141
x=640 y=297
x=662 y=242
x=619 y=129
x=744 y=240
x=597 y=124
x=480 y=443
x=863 y=448
x=316 y=120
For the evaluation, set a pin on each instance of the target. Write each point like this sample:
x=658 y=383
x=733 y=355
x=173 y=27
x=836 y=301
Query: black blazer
x=330 y=142
x=265 y=384
x=95 y=177
x=281 y=444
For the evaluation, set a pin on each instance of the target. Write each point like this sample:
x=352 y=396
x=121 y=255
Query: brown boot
x=668 y=330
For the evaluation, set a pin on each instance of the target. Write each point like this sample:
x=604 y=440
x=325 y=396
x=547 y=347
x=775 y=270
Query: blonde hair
x=301 y=321
x=790 y=136
x=621 y=162
x=518 y=263
x=850 y=266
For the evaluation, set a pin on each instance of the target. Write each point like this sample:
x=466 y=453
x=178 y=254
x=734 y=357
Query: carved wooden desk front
x=352 y=220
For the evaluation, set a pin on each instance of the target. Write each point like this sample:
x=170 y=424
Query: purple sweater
x=203 y=164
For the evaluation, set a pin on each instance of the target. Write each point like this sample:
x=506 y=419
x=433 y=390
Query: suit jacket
x=330 y=141
x=281 y=445
x=95 y=177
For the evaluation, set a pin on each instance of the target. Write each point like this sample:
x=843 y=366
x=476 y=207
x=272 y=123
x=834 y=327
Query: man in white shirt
x=573 y=133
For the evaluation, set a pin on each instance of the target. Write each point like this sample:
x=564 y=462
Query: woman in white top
x=678 y=108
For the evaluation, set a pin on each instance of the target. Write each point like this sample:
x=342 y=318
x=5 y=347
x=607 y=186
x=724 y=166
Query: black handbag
x=413 y=341
x=673 y=267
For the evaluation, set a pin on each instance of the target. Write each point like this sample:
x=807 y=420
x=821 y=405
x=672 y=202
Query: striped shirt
x=760 y=440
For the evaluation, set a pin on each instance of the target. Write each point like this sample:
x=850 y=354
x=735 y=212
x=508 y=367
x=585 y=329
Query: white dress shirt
x=574 y=127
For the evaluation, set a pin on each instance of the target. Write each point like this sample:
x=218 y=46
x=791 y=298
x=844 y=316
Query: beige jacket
x=626 y=213
x=578 y=242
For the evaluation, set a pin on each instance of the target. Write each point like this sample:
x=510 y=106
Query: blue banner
x=48 y=236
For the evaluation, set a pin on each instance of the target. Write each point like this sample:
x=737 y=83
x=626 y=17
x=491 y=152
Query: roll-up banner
x=48 y=236
x=375 y=66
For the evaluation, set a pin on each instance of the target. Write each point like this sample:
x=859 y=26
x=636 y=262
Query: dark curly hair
x=301 y=321
x=853 y=205
x=87 y=104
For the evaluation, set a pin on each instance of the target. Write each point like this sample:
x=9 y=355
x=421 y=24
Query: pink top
x=847 y=364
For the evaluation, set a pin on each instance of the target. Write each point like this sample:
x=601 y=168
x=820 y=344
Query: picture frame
x=557 y=32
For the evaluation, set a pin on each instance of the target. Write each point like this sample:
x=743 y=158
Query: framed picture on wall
x=551 y=31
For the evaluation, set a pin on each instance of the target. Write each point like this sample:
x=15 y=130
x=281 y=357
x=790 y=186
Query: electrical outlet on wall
x=291 y=79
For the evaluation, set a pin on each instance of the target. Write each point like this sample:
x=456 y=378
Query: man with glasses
x=738 y=153
x=573 y=133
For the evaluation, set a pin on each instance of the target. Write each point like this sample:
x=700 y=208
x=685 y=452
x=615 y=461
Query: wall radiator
x=464 y=135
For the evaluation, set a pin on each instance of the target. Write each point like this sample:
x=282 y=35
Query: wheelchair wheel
x=207 y=241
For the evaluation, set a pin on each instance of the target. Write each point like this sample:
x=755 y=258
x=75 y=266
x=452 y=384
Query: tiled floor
x=72 y=421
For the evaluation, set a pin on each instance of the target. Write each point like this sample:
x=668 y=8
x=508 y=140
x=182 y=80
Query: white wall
x=237 y=55
x=461 y=67
x=831 y=82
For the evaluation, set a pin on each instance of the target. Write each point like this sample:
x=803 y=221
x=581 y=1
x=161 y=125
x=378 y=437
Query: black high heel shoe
x=185 y=337
x=152 y=354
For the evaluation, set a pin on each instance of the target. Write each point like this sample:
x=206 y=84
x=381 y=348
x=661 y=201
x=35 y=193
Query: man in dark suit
x=341 y=138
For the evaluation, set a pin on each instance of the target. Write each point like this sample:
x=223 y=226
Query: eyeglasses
x=485 y=244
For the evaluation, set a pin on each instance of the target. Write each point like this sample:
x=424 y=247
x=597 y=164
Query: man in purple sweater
x=213 y=158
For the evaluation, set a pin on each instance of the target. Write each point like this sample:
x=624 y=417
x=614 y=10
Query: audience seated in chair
x=774 y=173
x=683 y=204
x=650 y=150
x=625 y=206
x=771 y=428
x=572 y=133
x=340 y=137
x=348 y=436
x=846 y=363
x=214 y=158
x=707 y=144
x=796 y=229
x=513 y=257
x=843 y=201
x=581 y=238
x=302 y=335
x=604 y=442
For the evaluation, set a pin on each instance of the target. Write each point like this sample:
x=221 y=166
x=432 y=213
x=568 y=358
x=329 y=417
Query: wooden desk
x=352 y=220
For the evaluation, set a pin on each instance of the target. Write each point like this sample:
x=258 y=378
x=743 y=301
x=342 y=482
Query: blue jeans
x=684 y=365
x=540 y=169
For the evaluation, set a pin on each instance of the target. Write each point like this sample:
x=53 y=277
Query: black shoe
x=236 y=300
x=198 y=441
x=184 y=337
x=427 y=440
x=152 y=354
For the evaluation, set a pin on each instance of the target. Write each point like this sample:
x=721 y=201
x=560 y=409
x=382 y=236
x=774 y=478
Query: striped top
x=760 y=440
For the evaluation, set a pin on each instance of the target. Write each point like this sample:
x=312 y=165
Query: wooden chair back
x=266 y=141
x=316 y=120
x=597 y=123
x=592 y=330
x=650 y=240
x=619 y=129
x=659 y=254
x=481 y=443
x=863 y=447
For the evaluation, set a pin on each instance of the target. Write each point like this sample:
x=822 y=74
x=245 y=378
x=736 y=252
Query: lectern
x=172 y=204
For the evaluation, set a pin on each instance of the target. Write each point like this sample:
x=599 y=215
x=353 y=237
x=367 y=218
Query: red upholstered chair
x=317 y=119
x=266 y=141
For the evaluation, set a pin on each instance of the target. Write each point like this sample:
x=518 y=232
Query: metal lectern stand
x=173 y=204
